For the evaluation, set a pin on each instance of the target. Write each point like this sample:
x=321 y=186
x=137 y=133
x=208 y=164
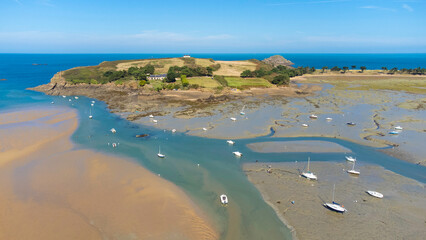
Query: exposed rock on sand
x=399 y=215
x=49 y=190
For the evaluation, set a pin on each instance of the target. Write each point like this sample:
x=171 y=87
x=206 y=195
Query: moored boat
x=224 y=199
x=375 y=194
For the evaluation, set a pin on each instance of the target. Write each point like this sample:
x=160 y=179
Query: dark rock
x=142 y=135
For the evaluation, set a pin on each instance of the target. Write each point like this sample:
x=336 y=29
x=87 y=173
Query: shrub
x=221 y=80
x=282 y=79
x=142 y=83
x=185 y=82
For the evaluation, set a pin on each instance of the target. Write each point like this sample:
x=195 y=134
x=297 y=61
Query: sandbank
x=399 y=215
x=298 y=146
x=51 y=190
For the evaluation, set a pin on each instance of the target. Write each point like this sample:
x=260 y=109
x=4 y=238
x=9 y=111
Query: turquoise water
x=247 y=215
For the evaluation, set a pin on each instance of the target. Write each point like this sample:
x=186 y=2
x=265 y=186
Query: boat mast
x=309 y=158
x=334 y=187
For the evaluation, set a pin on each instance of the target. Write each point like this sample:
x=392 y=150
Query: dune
x=50 y=190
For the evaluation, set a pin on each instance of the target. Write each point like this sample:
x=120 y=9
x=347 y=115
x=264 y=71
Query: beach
x=399 y=215
x=50 y=189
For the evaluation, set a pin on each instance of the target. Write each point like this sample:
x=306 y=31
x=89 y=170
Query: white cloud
x=407 y=7
x=379 y=8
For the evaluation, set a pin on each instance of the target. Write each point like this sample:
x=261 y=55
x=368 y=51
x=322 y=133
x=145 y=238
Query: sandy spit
x=48 y=190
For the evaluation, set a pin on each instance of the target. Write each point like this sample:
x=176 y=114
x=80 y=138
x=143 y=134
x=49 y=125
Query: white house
x=186 y=56
x=157 y=77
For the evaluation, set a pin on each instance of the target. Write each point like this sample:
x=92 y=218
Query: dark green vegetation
x=412 y=71
x=279 y=75
x=175 y=72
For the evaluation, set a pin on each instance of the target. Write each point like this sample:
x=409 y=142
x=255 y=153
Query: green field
x=206 y=82
x=237 y=82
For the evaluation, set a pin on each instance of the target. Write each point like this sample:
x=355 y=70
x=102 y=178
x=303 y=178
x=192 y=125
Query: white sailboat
x=313 y=116
x=238 y=154
x=230 y=142
x=224 y=199
x=353 y=171
x=329 y=119
x=350 y=158
x=242 y=110
x=375 y=194
x=90 y=116
x=398 y=128
x=155 y=121
x=151 y=116
x=173 y=130
x=204 y=129
x=308 y=174
x=304 y=125
x=113 y=130
x=233 y=119
x=335 y=206
x=159 y=154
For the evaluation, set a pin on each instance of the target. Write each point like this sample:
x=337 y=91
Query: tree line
x=279 y=75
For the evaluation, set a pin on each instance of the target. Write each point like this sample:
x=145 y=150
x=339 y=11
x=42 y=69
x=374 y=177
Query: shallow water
x=247 y=216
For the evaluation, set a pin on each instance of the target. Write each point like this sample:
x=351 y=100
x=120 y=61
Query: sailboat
x=398 y=128
x=353 y=171
x=242 y=110
x=238 y=154
x=233 y=119
x=159 y=154
x=113 y=130
x=230 y=142
x=313 y=116
x=90 y=116
x=350 y=158
x=309 y=175
x=334 y=205
x=375 y=194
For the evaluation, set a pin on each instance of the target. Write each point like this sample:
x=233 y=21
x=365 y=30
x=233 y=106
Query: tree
x=335 y=69
x=246 y=74
x=384 y=69
x=324 y=68
x=363 y=68
x=282 y=79
x=353 y=67
x=185 y=82
x=345 y=69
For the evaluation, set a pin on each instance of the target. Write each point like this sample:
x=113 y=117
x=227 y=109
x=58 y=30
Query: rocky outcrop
x=277 y=60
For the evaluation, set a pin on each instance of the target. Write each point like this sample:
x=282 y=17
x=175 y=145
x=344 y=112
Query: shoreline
x=95 y=195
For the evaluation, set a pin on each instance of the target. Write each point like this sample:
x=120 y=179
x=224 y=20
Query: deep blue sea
x=220 y=172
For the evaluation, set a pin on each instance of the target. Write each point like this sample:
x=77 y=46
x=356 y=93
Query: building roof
x=159 y=75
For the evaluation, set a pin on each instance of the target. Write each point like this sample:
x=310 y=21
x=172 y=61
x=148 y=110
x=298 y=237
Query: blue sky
x=250 y=26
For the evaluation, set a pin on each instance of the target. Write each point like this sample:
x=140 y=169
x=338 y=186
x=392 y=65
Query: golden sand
x=48 y=190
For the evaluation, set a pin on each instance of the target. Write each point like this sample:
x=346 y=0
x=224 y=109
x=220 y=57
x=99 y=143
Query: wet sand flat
x=50 y=190
x=298 y=146
x=401 y=214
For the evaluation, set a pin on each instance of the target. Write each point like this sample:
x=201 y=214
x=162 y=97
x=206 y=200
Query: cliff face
x=277 y=60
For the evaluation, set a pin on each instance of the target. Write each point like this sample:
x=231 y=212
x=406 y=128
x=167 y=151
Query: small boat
x=398 y=128
x=334 y=206
x=353 y=171
x=233 y=119
x=93 y=102
x=242 y=110
x=204 y=129
x=375 y=194
x=151 y=116
x=313 y=116
x=230 y=142
x=159 y=154
x=114 y=145
x=113 y=130
x=69 y=100
x=328 y=119
x=64 y=96
x=238 y=154
x=173 y=130
x=309 y=175
x=394 y=132
x=155 y=121
x=224 y=199
x=304 y=125
x=350 y=158
x=52 y=102
x=76 y=97
x=90 y=116
x=351 y=123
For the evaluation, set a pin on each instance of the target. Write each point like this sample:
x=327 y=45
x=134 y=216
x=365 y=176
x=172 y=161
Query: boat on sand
x=334 y=206
x=224 y=199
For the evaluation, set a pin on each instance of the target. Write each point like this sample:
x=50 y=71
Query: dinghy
x=204 y=129
x=375 y=194
x=394 y=132
x=309 y=175
x=76 y=97
x=233 y=119
x=351 y=123
x=398 y=128
x=151 y=116
x=173 y=130
x=313 y=116
x=113 y=130
x=304 y=125
x=223 y=199
x=64 y=96
x=155 y=121
x=334 y=206
x=230 y=142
